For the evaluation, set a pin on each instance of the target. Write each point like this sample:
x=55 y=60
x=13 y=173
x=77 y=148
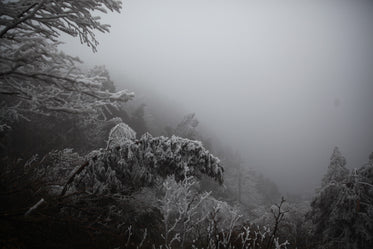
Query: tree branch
x=70 y=180
x=23 y=19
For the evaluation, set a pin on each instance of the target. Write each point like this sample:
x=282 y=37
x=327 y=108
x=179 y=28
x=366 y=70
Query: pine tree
x=342 y=211
x=337 y=172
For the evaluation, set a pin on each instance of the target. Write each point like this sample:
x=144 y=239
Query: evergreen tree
x=337 y=171
x=342 y=211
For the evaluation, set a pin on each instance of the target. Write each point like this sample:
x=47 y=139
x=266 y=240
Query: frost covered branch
x=32 y=68
x=34 y=207
x=48 y=18
x=137 y=163
x=179 y=207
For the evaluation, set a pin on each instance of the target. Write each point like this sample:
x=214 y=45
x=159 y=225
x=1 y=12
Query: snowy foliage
x=142 y=189
x=8 y=116
x=40 y=77
x=134 y=163
x=117 y=184
x=198 y=220
x=101 y=73
x=91 y=133
x=119 y=134
x=180 y=210
x=23 y=18
x=56 y=166
x=226 y=229
x=337 y=172
x=342 y=212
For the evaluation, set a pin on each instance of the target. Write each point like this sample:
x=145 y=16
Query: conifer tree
x=342 y=211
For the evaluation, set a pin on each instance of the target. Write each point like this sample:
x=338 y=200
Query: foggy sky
x=283 y=82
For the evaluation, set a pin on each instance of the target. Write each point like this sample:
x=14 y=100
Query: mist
x=282 y=83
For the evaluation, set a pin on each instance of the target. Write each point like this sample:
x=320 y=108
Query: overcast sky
x=281 y=81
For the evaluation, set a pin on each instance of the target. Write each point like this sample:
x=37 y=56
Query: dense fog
x=281 y=83
x=186 y=124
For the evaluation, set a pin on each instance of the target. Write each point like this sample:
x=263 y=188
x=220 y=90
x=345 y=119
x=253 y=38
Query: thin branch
x=23 y=19
x=35 y=207
x=80 y=169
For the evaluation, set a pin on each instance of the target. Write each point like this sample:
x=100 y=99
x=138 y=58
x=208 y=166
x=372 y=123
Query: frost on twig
x=50 y=18
x=180 y=209
x=35 y=72
x=130 y=164
x=119 y=134
x=31 y=209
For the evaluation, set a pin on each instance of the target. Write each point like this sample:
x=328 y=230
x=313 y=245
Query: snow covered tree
x=129 y=163
x=103 y=189
x=26 y=18
x=337 y=171
x=342 y=211
x=101 y=71
x=32 y=69
x=119 y=134
x=180 y=210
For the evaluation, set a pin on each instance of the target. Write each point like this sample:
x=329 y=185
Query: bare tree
x=278 y=214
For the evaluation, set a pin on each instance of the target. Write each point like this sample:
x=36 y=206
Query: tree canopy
x=42 y=78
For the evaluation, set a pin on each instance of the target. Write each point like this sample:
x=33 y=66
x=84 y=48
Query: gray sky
x=281 y=81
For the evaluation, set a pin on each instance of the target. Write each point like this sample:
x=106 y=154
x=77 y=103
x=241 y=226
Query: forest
x=84 y=164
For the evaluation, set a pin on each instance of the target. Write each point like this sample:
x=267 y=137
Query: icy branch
x=34 y=207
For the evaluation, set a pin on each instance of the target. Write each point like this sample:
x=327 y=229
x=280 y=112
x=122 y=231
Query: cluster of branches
x=32 y=68
x=135 y=163
x=106 y=194
x=195 y=219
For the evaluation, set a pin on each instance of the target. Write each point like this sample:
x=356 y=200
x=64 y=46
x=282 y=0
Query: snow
x=119 y=134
